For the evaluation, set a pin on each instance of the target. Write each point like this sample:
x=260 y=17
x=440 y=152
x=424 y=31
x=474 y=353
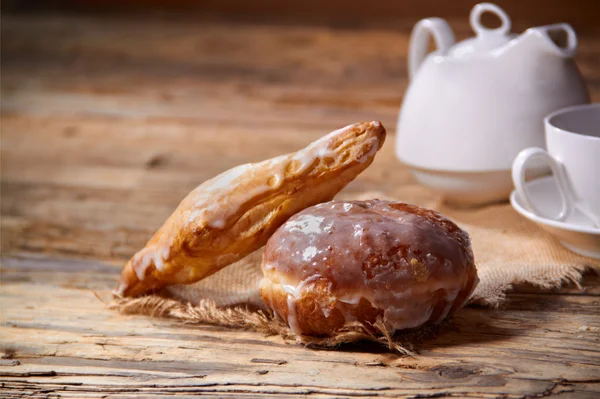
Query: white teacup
x=573 y=154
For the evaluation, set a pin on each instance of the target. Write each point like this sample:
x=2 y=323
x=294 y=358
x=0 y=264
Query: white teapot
x=471 y=107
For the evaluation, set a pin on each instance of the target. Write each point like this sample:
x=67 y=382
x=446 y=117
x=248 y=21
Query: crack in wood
x=269 y=361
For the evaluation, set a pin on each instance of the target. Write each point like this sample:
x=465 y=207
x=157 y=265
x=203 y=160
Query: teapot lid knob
x=486 y=39
x=479 y=28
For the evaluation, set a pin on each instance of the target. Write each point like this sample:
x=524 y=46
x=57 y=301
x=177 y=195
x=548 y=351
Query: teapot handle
x=569 y=49
x=442 y=34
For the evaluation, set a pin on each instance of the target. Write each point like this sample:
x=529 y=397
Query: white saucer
x=576 y=233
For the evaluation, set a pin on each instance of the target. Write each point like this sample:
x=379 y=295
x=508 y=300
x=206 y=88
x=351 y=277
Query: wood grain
x=108 y=122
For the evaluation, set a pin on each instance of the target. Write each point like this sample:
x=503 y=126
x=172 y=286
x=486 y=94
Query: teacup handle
x=417 y=50
x=518 y=174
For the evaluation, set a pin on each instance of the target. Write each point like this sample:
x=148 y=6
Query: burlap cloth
x=508 y=250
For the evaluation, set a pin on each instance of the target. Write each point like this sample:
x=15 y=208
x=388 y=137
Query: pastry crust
x=233 y=214
x=346 y=261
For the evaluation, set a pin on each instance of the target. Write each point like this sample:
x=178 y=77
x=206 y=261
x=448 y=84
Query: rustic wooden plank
x=243 y=76
x=299 y=75
x=494 y=352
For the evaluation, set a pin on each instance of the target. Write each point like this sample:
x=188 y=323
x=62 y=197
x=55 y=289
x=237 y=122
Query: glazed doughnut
x=345 y=261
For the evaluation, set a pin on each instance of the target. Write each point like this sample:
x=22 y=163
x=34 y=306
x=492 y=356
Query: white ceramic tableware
x=576 y=232
x=472 y=106
x=573 y=154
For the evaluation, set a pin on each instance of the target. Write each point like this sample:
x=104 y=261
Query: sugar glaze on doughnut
x=344 y=261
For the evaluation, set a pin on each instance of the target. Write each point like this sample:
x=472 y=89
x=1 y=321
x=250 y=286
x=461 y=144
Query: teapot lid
x=486 y=39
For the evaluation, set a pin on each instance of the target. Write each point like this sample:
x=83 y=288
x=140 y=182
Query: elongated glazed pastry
x=233 y=214
x=346 y=261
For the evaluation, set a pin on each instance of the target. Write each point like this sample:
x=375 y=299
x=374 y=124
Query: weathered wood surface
x=108 y=122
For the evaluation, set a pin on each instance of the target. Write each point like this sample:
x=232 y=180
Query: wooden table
x=108 y=121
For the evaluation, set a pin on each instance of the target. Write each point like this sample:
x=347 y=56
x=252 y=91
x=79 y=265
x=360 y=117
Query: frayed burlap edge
x=496 y=282
x=242 y=317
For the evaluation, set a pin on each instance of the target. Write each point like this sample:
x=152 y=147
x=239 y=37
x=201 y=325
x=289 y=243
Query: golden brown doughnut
x=344 y=261
x=228 y=217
